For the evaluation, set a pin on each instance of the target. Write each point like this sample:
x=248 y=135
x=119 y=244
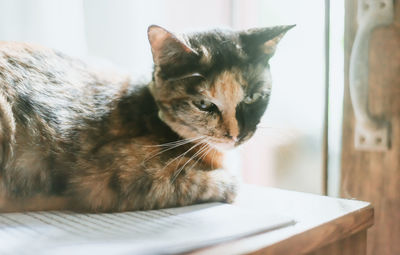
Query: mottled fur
x=77 y=138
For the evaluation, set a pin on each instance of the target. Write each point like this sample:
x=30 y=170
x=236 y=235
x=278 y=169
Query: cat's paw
x=225 y=185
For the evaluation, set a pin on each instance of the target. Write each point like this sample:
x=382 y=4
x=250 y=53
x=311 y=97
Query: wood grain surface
x=353 y=245
x=375 y=176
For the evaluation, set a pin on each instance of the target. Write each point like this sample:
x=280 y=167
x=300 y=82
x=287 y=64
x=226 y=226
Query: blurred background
x=290 y=149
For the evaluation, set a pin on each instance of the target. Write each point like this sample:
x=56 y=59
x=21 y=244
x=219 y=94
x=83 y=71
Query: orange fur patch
x=228 y=92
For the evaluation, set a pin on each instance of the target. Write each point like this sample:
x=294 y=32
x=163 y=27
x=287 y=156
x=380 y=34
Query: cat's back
x=48 y=101
x=38 y=66
x=12 y=48
x=41 y=86
x=15 y=56
x=48 y=82
x=39 y=98
x=43 y=89
x=47 y=68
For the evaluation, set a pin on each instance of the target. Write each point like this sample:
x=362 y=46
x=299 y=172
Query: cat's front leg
x=191 y=187
x=220 y=186
x=129 y=182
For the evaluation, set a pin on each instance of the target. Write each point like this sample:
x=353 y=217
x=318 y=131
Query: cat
x=76 y=138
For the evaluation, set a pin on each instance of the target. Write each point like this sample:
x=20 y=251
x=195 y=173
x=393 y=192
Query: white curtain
x=58 y=24
x=109 y=30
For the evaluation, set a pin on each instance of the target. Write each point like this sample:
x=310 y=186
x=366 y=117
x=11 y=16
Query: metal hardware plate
x=371 y=133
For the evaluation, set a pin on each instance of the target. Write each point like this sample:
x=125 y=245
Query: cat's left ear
x=262 y=40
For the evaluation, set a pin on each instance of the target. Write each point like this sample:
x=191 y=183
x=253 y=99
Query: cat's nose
x=234 y=138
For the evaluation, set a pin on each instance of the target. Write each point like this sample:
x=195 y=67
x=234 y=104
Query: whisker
x=197 y=144
x=176 y=174
x=194 y=155
x=182 y=155
x=204 y=154
x=182 y=141
x=170 y=148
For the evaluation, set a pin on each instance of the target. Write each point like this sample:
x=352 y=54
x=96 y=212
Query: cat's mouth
x=222 y=144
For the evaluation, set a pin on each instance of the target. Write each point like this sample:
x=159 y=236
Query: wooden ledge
x=321 y=222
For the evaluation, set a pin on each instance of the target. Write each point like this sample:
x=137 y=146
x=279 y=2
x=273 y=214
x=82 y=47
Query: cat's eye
x=255 y=97
x=205 y=105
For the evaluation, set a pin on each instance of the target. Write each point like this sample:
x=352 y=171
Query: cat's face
x=215 y=84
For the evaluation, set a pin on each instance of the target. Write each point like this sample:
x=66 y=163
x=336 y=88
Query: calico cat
x=73 y=137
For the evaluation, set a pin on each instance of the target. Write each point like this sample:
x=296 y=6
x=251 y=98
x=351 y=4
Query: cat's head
x=213 y=84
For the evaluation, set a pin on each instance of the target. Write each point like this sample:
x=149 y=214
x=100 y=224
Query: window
x=287 y=151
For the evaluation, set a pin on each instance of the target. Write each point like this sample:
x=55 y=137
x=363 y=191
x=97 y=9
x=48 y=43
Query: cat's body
x=77 y=138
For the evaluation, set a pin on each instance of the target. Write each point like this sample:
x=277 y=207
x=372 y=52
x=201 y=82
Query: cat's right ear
x=166 y=47
x=262 y=41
